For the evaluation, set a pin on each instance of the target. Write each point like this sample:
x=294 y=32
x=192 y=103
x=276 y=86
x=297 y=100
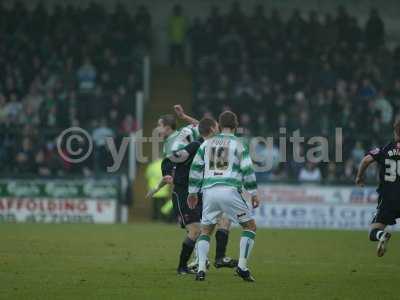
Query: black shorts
x=182 y=211
x=387 y=211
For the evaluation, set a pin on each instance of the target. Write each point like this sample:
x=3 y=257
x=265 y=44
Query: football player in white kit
x=180 y=146
x=221 y=169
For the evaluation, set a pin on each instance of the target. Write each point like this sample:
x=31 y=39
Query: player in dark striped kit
x=388 y=210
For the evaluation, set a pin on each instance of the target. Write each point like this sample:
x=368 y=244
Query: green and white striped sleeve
x=196 y=171
x=247 y=171
x=185 y=136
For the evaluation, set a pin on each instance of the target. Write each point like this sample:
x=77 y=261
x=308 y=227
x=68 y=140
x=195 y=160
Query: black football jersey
x=388 y=159
x=180 y=171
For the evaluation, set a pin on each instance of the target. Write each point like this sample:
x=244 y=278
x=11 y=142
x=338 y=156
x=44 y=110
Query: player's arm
x=249 y=177
x=168 y=179
x=184 y=154
x=179 y=156
x=365 y=163
x=196 y=177
x=180 y=112
x=167 y=171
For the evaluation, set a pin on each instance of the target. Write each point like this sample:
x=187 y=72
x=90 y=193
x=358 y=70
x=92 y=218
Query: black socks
x=375 y=234
x=186 y=252
x=221 y=237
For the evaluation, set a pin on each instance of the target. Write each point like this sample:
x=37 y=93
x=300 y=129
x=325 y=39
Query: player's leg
x=246 y=243
x=384 y=216
x=190 y=219
x=222 y=237
x=178 y=196
x=210 y=213
x=246 y=246
x=188 y=245
x=194 y=264
x=378 y=234
x=377 y=230
x=203 y=247
x=236 y=209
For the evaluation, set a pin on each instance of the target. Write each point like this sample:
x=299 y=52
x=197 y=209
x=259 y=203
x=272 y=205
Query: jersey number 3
x=392 y=169
x=219 y=158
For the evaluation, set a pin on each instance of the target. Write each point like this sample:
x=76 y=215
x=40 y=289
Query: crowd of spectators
x=313 y=73
x=71 y=67
x=80 y=67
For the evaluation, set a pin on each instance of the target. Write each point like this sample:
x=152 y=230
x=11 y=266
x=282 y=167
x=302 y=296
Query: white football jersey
x=180 y=138
x=222 y=160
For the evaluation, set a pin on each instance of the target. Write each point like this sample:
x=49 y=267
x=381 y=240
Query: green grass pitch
x=138 y=261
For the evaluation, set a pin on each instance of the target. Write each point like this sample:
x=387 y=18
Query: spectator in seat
x=331 y=175
x=13 y=109
x=42 y=168
x=367 y=89
x=385 y=108
x=34 y=98
x=99 y=136
x=358 y=153
x=129 y=125
x=24 y=159
x=86 y=75
x=310 y=173
x=349 y=169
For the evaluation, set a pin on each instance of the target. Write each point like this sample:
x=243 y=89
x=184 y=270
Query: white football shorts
x=219 y=200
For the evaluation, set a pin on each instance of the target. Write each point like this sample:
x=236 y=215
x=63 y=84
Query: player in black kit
x=388 y=210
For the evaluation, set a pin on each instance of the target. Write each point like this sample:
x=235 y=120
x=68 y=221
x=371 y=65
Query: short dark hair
x=228 y=119
x=206 y=125
x=169 y=120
